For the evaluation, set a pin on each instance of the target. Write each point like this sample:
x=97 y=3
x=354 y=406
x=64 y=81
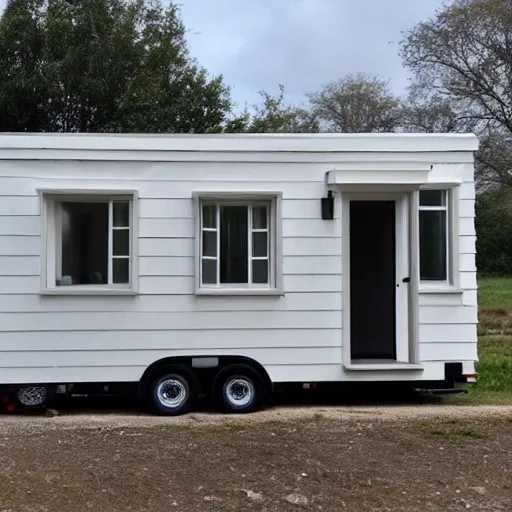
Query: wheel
x=173 y=392
x=32 y=396
x=239 y=389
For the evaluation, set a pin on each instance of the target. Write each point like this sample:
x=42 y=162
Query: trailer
x=227 y=265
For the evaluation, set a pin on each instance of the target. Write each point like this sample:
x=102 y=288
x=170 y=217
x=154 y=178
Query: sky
x=302 y=44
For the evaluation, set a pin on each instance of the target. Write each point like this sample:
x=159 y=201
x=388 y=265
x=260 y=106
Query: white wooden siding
x=297 y=336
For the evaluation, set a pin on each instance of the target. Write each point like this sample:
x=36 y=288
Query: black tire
x=33 y=397
x=166 y=387
x=239 y=389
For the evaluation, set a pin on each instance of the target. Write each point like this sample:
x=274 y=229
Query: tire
x=33 y=396
x=239 y=389
x=174 y=391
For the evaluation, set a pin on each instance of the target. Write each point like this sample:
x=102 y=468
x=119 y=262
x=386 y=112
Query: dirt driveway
x=285 y=459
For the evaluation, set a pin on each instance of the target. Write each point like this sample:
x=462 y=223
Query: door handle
x=406 y=280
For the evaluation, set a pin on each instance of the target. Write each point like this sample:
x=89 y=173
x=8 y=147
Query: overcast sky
x=302 y=44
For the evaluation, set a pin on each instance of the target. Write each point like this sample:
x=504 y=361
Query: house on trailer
x=226 y=264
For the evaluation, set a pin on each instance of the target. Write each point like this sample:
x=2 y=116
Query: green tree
x=357 y=103
x=494 y=232
x=273 y=115
x=103 y=66
x=463 y=54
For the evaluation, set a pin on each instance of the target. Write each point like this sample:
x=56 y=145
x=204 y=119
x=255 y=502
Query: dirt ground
x=297 y=458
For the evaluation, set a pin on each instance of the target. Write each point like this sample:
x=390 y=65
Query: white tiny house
x=225 y=264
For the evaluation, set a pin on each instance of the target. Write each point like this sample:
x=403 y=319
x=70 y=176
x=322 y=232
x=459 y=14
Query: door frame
x=405 y=262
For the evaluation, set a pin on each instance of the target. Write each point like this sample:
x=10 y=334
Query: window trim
x=49 y=256
x=275 y=286
x=452 y=283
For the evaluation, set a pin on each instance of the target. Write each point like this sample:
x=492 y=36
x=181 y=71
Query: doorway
x=377 y=292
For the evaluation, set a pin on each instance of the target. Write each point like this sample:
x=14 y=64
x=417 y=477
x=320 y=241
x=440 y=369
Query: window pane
x=121 y=242
x=233 y=244
x=209 y=272
x=260 y=271
x=210 y=243
x=259 y=244
x=121 y=270
x=121 y=214
x=209 y=220
x=259 y=217
x=433 y=246
x=432 y=197
x=84 y=243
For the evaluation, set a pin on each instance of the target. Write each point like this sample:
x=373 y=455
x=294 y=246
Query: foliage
x=357 y=103
x=494 y=232
x=273 y=115
x=463 y=55
x=103 y=65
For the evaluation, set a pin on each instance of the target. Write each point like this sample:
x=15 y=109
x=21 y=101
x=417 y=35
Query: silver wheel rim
x=32 y=396
x=239 y=391
x=172 y=392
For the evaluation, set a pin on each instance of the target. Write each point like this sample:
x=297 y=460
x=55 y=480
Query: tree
x=494 y=232
x=273 y=115
x=103 y=65
x=357 y=103
x=463 y=54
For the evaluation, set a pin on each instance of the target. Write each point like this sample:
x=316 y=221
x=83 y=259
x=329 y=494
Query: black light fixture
x=328 y=206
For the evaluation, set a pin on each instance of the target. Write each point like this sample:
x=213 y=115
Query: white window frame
x=274 y=227
x=51 y=240
x=452 y=281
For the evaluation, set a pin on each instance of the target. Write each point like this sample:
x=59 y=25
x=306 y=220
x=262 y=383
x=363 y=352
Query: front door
x=378 y=305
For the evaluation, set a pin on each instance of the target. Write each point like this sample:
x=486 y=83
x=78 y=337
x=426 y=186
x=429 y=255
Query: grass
x=453 y=430
x=494 y=384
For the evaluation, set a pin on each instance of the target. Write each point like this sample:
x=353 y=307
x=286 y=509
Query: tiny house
x=228 y=264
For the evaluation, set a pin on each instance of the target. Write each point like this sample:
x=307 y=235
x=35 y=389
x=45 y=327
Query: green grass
x=495 y=292
x=454 y=430
x=494 y=383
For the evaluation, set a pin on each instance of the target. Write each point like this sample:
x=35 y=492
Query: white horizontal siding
x=312 y=246
x=101 y=358
x=138 y=321
x=185 y=285
x=470 y=298
x=20 y=284
x=441 y=299
x=448 y=352
x=328 y=301
x=20 y=205
x=449 y=333
x=184 y=209
x=20 y=266
x=20 y=245
x=166 y=247
x=467 y=244
x=467 y=263
x=195 y=339
x=167 y=189
x=466 y=208
x=20 y=225
x=446 y=315
x=467 y=226
x=312 y=265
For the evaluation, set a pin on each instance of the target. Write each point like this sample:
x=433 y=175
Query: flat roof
x=238 y=143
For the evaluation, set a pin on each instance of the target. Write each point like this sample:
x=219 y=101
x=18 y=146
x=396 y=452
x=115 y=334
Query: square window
x=237 y=244
x=88 y=242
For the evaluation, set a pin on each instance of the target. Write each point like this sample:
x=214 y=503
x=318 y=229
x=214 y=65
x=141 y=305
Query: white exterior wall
x=297 y=337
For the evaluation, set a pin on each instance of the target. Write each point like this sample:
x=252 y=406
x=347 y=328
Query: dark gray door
x=372 y=280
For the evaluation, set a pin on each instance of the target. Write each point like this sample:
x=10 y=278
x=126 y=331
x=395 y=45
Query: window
x=237 y=244
x=434 y=235
x=89 y=242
